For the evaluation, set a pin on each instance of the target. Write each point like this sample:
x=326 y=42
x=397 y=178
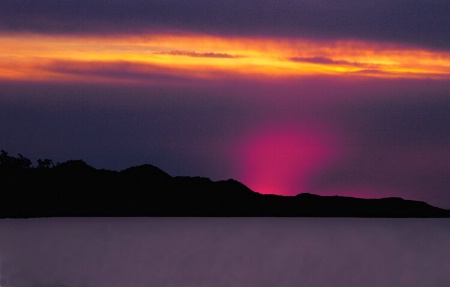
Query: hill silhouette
x=74 y=188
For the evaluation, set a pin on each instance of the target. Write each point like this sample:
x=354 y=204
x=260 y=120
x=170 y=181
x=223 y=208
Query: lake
x=215 y=252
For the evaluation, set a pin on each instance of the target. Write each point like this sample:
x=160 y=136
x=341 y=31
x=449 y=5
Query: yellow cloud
x=33 y=57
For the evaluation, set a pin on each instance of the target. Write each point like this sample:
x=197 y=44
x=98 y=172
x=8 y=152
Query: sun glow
x=139 y=58
x=282 y=159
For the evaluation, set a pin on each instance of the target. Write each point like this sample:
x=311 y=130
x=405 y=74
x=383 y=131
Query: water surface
x=247 y=252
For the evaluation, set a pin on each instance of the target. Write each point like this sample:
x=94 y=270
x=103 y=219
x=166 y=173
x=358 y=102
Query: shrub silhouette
x=74 y=165
x=11 y=162
x=45 y=163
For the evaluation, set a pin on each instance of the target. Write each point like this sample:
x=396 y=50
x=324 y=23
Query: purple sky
x=418 y=22
x=325 y=134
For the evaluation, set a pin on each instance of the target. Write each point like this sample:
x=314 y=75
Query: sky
x=346 y=98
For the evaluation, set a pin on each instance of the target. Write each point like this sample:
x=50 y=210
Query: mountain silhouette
x=74 y=188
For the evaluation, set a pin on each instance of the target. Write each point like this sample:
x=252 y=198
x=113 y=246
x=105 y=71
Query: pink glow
x=282 y=159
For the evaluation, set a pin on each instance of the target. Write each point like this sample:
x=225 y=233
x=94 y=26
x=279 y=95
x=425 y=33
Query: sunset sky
x=329 y=97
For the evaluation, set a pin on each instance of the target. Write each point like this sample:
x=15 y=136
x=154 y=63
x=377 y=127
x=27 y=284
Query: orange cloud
x=35 y=57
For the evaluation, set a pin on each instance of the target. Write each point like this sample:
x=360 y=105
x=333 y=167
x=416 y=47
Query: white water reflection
x=166 y=252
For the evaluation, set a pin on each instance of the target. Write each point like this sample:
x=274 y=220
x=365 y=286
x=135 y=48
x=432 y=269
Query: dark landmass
x=74 y=188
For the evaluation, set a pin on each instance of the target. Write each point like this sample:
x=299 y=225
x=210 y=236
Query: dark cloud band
x=417 y=22
x=199 y=55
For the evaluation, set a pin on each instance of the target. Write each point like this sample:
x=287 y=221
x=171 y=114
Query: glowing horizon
x=38 y=57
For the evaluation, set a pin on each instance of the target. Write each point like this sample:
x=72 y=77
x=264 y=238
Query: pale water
x=215 y=252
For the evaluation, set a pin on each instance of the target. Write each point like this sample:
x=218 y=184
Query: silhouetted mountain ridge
x=74 y=188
